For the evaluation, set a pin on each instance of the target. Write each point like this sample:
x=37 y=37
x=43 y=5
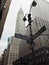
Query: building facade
x=0 y=60
x=4 y=7
x=18 y=47
x=40 y=17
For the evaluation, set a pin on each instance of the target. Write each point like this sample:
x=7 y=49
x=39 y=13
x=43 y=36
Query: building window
x=1 y=14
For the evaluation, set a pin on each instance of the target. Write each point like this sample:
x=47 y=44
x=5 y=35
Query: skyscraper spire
x=20 y=25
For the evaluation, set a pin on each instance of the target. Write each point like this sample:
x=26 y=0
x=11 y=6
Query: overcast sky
x=10 y=23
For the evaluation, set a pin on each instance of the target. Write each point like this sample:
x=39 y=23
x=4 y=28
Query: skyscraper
x=40 y=16
x=18 y=47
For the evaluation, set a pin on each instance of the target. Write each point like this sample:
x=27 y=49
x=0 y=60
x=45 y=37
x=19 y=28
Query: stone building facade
x=40 y=16
x=18 y=47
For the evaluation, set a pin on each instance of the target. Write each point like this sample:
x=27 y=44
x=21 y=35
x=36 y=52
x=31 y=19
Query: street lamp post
x=33 y=52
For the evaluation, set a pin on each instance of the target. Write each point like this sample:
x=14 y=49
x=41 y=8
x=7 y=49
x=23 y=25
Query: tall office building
x=10 y=39
x=40 y=16
x=18 y=47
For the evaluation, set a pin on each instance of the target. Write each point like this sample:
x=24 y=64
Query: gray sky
x=10 y=23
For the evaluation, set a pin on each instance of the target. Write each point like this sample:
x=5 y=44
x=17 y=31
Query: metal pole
x=33 y=51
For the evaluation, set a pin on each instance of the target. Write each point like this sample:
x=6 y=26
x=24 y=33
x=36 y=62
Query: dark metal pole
x=33 y=51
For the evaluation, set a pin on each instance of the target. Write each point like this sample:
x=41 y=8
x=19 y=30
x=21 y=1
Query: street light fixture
x=34 y=3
